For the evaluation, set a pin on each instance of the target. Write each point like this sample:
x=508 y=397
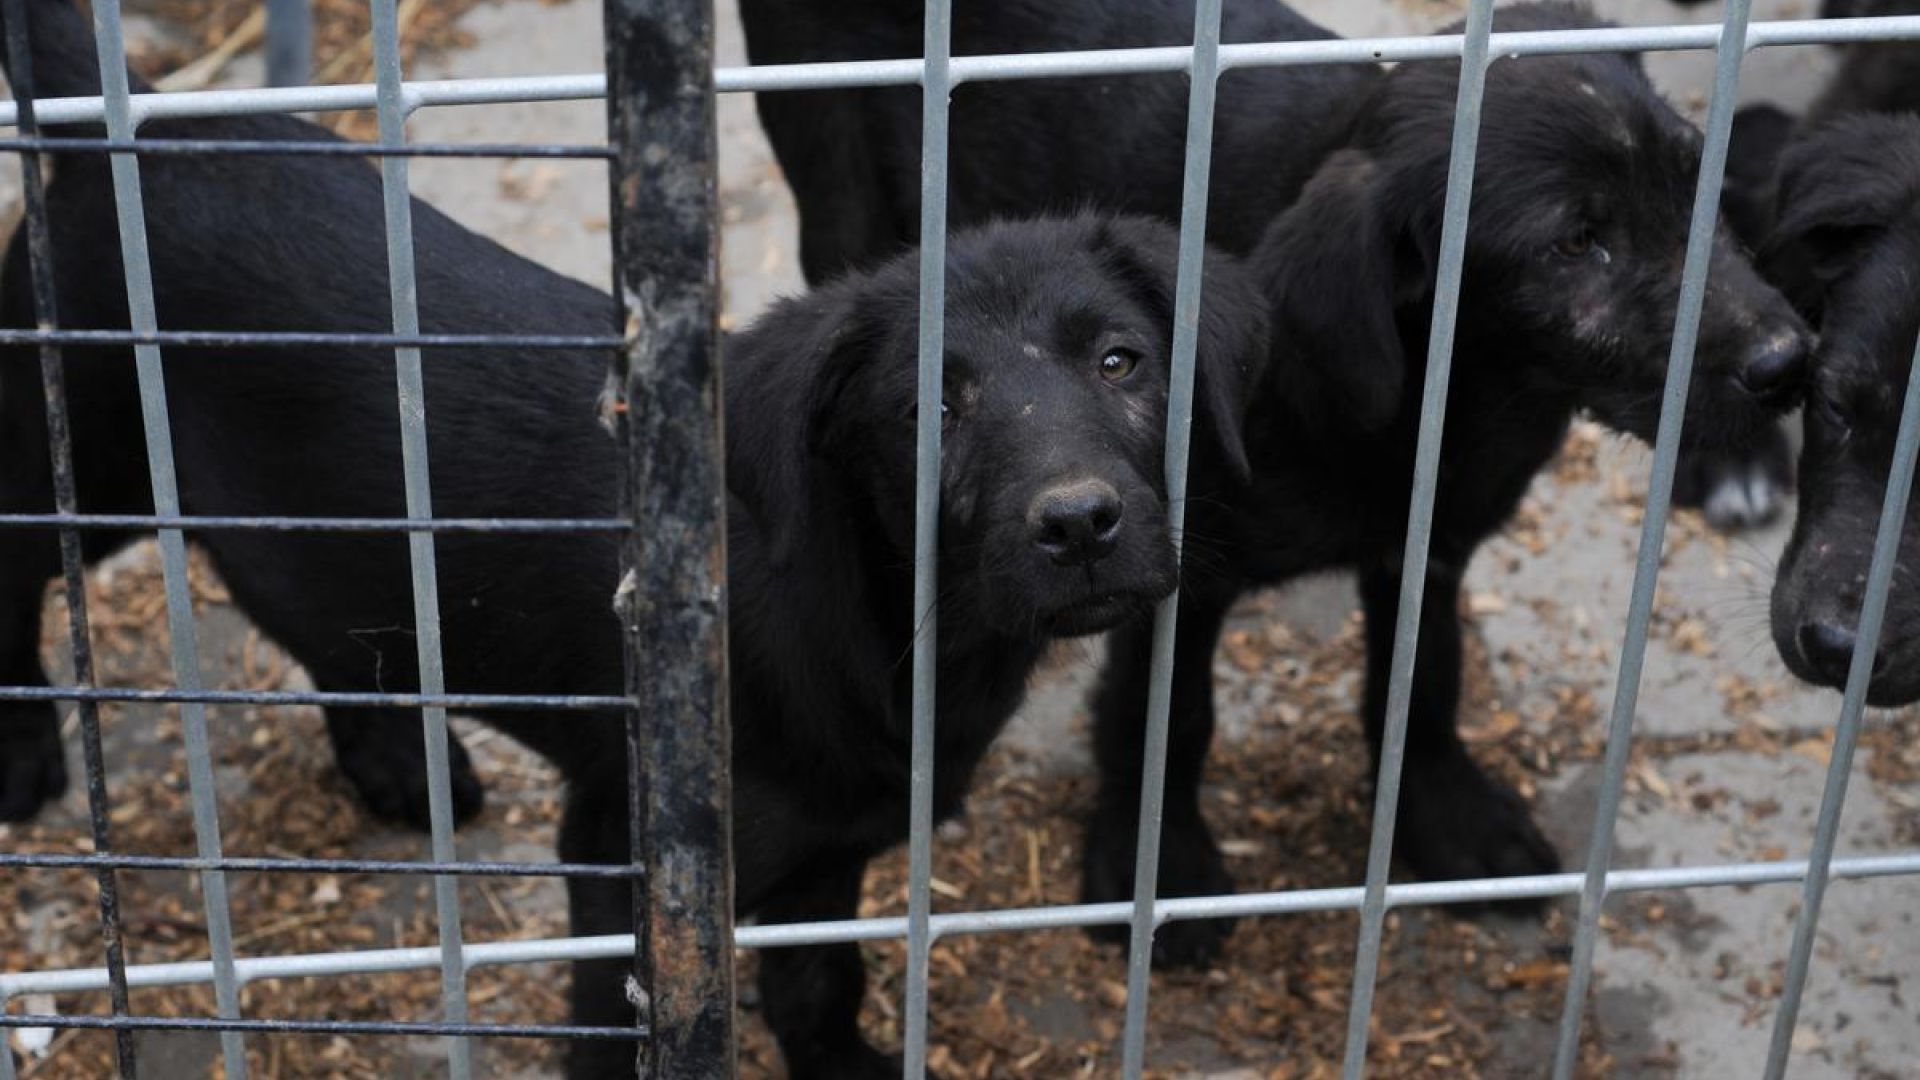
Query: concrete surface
x=1550 y=618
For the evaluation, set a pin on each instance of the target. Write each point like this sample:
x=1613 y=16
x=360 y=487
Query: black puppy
x=1053 y=513
x=1848 y=244
x=1584 y=190
x=1881 y=76
x=852 y=156
x=1869 y=77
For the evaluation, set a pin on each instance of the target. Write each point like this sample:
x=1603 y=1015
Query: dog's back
x=1034 y=146
x=249 y=243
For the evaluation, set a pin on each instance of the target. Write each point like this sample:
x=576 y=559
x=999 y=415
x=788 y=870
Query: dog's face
x=1583 y=193
x=1053 y=511
x=1849 y=242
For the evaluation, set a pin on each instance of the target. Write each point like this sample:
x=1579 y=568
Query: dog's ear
x=1336 y=267
x=1840 y=189
x=1232 y=349
x=786 y=379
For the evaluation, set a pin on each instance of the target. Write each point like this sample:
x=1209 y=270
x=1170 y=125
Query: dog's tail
x=61 y=53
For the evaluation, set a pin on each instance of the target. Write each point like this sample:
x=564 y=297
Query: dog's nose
x=1774 y=369
x=1076 y=523
x=1829 y=650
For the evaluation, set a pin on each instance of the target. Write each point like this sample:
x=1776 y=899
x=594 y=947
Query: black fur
x=1847 y=245
x=1583 y=194
x=852 y=156
x=1871 y=77
x=1052 y=507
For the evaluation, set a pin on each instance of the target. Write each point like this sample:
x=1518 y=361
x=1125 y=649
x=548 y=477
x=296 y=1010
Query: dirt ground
x=1727 y=767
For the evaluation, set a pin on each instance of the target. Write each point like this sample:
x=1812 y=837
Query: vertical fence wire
x=410 y=383
x=46 y=312
x=1204 y=76
x=1413 y=569
x=1886 y=548
x=130 y=212
x=289 y=42
x=1646 y=574
x=935 y=90
x=667 y=413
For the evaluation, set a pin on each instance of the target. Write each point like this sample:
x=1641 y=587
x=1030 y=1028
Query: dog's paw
x=1738 y=490
x=33 y=768
x=1743 y=499
x=1456 y=822
x=390 y=777
x=1190 y=865
x=853 y=1061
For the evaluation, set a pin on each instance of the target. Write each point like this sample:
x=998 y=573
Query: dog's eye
x=1832 y=416
x=1118 y=364
x=1579 y=245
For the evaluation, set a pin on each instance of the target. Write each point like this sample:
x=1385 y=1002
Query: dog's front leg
x=1455 y=821
x=812 y=994
x=33 y=768
x=1190 y=859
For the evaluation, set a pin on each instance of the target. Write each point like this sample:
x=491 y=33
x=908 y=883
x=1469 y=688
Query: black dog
x=1848 y=244
x=853 y=155
x=1869 y=77
x=1053 y=514
x=1585 y=186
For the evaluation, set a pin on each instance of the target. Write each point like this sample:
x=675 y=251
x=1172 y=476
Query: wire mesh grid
x=685 y=1024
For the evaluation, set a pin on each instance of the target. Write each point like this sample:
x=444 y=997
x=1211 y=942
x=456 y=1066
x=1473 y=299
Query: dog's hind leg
x=593 y=829
x=383 y=755
x=1455 y=821
x=1190 y=859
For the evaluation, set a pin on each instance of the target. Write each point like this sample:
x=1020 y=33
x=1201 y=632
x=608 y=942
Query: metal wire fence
x=685 y=1019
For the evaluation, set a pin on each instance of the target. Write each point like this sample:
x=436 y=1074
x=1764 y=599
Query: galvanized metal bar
x=304 y=524
x=935 y=94
x=130 y=212
x=72 y=561
x=1014 y=920
x=410 y=382
x=1203 y=84
x=255 y=864
x=1646 y=572
x=318 y=699
x=1873 y=610
x=289 y=42
x=295 y=339
x=672 y=591
x=1413 y=569
x=301 y=148
x=413 y=1028
x=817 y=76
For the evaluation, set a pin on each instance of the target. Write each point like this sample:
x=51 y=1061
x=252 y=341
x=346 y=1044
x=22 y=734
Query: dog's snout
x=1076 y=523
x=1828 y=649
x=1775 y=369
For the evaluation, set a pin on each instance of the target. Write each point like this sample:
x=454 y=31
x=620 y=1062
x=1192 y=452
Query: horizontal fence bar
x=282 y=865
x=1349 y=898
x=311 y=524
x=303 y=339
x=321 y=1027
x=1054 y=65
x=318 y=698
x=300 y=148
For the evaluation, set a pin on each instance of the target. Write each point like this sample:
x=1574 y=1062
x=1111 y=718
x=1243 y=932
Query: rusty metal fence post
x=665 y=404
